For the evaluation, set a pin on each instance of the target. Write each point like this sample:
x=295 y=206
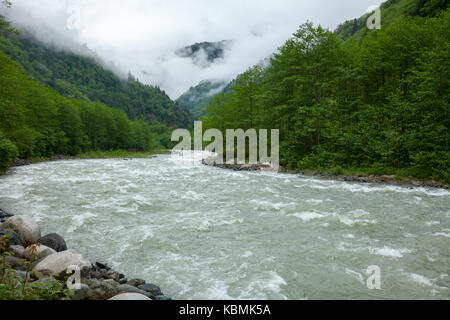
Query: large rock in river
x=25 y=226
x=54 y=241
x=58 y=263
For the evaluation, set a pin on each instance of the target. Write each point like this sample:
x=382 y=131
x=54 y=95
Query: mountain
x=391 y=11
x=85 y=77
x=205 y=53
x=36 y=121
x=196 y=98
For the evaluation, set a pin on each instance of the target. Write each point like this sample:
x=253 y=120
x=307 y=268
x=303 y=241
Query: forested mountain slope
x=76 y=76
x=380 y=105
x=37 y=121
x=205 y=53
x=391 y=11
x=196 y=98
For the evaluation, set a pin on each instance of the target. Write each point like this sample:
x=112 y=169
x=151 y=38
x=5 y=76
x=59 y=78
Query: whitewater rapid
x=207 y=233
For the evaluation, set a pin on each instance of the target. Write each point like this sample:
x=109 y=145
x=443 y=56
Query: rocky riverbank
x=236 y=167
x=409 y=182
x=41 y=260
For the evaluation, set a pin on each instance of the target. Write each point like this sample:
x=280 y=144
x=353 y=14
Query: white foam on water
x=218 y=291
x=146 y=233
x=366 y=188
x=211 y=222
x=79 y=220
x=203 y=232
x=314 y=201
x=267 y=284
x=308 y=216
x=355 y=275
x=273 y=206
x=275 y=282
x=389 y=252
x=444 y=233
x=421 y=279
x=349 y=221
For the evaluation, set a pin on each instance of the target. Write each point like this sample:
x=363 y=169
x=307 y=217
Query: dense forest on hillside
x=76 y=76
x=379 y=106
x=57 y=102
x=37 y=121
x=391 y=10
x=196 y=99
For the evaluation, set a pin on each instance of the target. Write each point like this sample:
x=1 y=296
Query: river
x=207 y=233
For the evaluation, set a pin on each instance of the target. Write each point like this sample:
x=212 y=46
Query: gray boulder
x=101 y=289
x=162 y=298
x=136 y=282
x=54 y=241
x=17 y=251
x=35 y=262
x=125 y=288
x=36 y=252
x=101 y=265
x=82 y=293
x=14 y=237
x=15 y=263
x=111 y=274
x=58 y=263
x=153 y=289
x=4 y=215
x=130 y=296
x=25 y=226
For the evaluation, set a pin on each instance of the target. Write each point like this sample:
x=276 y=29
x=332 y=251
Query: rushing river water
x=206 y=233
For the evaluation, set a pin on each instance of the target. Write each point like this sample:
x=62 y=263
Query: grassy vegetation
x=15 y=287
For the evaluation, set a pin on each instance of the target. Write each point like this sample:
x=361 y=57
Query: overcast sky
x=141 y=36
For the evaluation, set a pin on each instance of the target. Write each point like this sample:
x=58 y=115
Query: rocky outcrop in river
x=50 y=260
x=235 y=166
x=386 y=179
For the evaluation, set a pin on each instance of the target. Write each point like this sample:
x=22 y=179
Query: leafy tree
x=8 y=152
x=380 y=105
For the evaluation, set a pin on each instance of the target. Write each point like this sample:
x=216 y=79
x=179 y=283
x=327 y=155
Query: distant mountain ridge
x=196 y=99
x=205 y=53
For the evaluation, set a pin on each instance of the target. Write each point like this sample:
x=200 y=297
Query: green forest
x=54 y=102
x=353 y=100
x=37 y=121
x=368 y=101
x=84 y=78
